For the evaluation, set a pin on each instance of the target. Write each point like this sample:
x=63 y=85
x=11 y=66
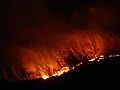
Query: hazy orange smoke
x=44 y=61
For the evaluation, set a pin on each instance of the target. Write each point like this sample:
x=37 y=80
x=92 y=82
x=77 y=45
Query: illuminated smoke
x=42 y=61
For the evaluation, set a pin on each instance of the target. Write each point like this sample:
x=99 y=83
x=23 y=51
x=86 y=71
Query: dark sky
x=25 y=13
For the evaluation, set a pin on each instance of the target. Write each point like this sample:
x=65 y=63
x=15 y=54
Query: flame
x=57 y=47
x=66 y=69
x=45 y=77
x=44 y=62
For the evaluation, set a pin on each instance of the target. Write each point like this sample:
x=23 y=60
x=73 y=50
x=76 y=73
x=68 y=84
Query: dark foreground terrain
x=94 y=75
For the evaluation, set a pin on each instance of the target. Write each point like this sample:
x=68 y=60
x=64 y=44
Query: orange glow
x=45 y=44
x=45 y=77
x=44 y=62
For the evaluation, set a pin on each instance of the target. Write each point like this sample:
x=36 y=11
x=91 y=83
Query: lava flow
x=39 y=61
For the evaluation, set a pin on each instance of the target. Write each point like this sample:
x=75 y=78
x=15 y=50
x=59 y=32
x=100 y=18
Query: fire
x=66 y=69
x=45 y=77
x=44 y=62
x=44 y=46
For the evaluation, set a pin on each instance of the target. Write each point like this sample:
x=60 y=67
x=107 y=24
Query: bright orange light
x=44 y=62
x=45 y=77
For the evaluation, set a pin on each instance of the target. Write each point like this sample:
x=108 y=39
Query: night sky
x=29 y=16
